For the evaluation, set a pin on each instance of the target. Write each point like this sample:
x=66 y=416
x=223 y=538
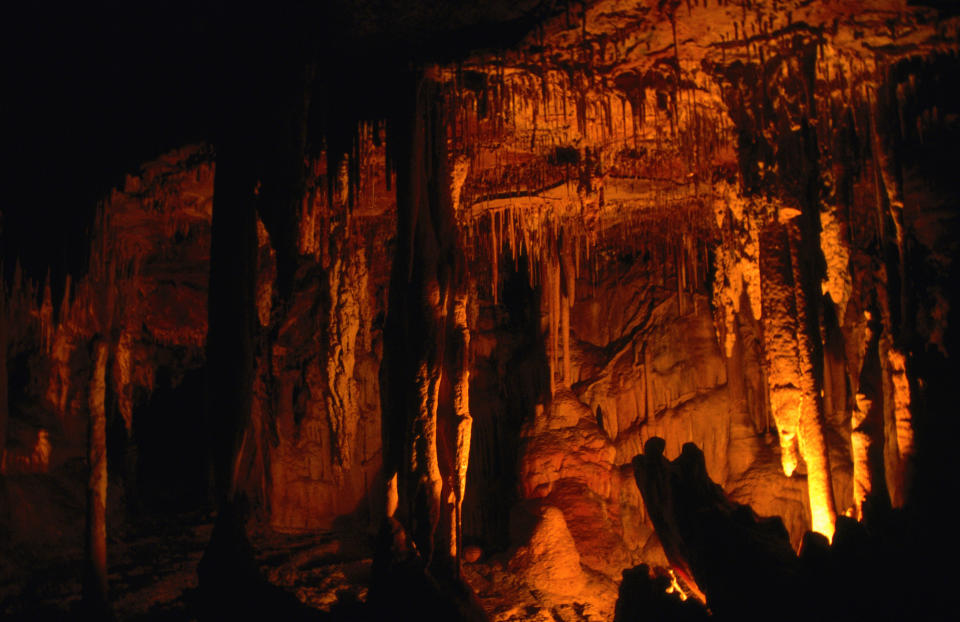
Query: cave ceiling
x=612 y=112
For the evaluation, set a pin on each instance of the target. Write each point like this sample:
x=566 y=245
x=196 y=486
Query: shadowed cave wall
x=730 y=224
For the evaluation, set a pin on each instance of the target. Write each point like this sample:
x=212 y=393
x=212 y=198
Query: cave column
x=460 y=427
x=779 y=340
x=422 y=301
x=813 y=446
x=789 y=354
x=4 y=391
x=866 y=416
x=95 y=580
x=424 y=461
x=232 y=310
x=231 y=328
x=463 y=420
x=898 y=422
x=894 y=312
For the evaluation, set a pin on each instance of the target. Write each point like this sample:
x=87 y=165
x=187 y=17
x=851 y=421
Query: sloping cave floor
x=153 y=576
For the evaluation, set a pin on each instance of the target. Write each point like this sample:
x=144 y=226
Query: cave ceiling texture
x=531 y=310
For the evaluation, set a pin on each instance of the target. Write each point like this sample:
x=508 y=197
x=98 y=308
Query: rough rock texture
x=746 y=566
x=549 y=562
x=727 y=223
x=701 y=530
x=315 y=449
x=145 y=292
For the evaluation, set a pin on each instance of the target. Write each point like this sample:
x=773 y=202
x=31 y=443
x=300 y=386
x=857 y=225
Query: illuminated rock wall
x=715 y=223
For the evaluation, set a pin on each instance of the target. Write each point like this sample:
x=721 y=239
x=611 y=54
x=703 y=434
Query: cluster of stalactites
x=547 y=152
x=512 y=120
x=527 y=235
x=342 y=188
x=100 y=305
x=736 y=261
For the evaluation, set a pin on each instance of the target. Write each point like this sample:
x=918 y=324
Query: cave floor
x=153 y=571
x=153 y=576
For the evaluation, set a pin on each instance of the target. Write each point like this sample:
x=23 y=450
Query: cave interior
x=507 y=310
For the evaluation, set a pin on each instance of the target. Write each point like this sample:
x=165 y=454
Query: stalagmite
x=123 y=376
x=424 y=464
x=46 y=316
x=898 y=424
x=860 y=455
x=95 y=583
x=860 y=442
x=65 y=304
x=901 y=403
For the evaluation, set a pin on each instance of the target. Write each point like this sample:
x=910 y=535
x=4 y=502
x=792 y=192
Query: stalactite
x=565 y=305
x=546 y=303
x=569 y=297
x=650 y=404
x=678 y=273
x=494 y=259
x=833 y=243
x=555 y=312
x=513 y=238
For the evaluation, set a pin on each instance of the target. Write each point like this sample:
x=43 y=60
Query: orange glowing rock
x=549 y=561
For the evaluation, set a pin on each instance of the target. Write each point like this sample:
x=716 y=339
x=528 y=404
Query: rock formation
x=448 y=297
